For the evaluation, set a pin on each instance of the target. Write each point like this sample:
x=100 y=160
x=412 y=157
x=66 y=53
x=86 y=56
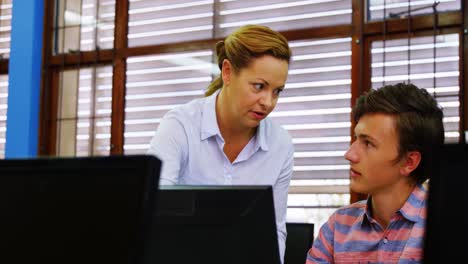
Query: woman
x=226 y=137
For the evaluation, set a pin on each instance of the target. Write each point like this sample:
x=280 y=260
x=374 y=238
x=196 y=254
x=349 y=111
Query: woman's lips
x=258 y=115
x=354 y=173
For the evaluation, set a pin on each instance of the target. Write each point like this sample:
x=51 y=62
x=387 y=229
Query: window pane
x=433 y=66
x=152 y=22
x=3 y=112
x=399 y=8
x=315 y=107
x=93 y=136
x=156 y=84
x=157 y=22
x=5 y=28
x=85 y=105
x=282 y=15
x=84 y=25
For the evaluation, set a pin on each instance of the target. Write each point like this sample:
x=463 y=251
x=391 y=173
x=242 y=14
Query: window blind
x=282 y=15
x=85 y=106
x=315 y=108
x=3 y=111
x=399 y=8
x=419 y=63
x=157 y=22
x=5 y=28
x=158 y=83
x=84 y=25
x=5 y=33
x=163 y=22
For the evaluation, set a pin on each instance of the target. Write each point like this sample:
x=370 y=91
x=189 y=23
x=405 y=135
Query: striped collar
x=411 y=210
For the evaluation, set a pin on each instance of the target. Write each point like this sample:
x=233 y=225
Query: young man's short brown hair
x=418 y=121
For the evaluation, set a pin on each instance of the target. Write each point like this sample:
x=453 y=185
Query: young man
x=398 y=129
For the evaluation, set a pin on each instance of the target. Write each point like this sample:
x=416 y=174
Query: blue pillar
x=24 y=70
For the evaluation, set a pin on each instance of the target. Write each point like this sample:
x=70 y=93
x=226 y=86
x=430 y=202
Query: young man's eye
x=367 y=143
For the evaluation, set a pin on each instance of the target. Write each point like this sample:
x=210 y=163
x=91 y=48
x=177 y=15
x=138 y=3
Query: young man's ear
x=410 y=162
x=226 y=71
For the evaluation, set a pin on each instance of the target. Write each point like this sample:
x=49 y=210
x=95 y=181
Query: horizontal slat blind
x=399 y=8
x=315 y=109
x=3 y=111
x=5 y=32
x=85 y=100
x=159 y=22
x=5 y=28
x=156 y=84
x=84 y=25
x=422 y=72
x=97 y=21
x=282 y=15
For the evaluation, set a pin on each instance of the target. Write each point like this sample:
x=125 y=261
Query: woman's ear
x=410 y=162
x=226 y=71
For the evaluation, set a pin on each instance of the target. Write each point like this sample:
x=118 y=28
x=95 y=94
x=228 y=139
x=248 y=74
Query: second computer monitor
x=446 y=214
x=208 y=224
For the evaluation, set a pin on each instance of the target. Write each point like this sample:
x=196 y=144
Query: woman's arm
x=280 y=195
x=170 y=145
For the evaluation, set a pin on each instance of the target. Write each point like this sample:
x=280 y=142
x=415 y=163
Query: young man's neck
x=386 y=203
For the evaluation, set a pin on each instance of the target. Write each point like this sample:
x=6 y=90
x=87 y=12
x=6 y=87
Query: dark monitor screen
x=447 y=203
x=214 y=224
x=298 y=242
x=75 y=210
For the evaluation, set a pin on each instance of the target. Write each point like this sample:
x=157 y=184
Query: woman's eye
x=258 y=86
x=278 y=91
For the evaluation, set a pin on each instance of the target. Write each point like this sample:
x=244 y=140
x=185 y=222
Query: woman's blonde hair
x=245 y=44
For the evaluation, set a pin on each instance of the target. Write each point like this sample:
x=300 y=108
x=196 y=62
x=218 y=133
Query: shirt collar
x=414 y=206
x=209 y=124
x=411 y=210
x=367 y=217
x=262 y=135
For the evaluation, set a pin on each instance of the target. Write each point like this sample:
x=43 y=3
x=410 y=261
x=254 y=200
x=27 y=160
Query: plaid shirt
x=351 y=235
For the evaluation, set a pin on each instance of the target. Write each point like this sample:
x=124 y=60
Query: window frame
x=361 y=31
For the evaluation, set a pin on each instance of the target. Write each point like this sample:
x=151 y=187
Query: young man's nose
x=351 y=153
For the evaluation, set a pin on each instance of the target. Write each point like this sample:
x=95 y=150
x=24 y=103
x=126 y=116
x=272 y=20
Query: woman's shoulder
x=187 y=112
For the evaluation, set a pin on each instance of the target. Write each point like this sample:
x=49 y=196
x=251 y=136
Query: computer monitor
x=76 y=210
x=214 y=224
x=447 y=203
x=298 y=242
